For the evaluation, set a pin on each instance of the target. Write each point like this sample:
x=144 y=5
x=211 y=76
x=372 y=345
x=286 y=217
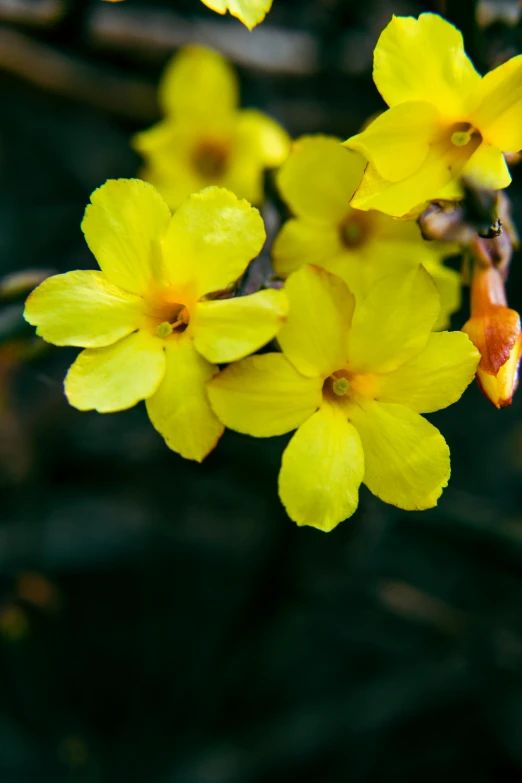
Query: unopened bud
x=494 y=329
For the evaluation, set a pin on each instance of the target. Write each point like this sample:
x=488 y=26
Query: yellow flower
x=317 y=181
x=444 y=122
x=148 y=326
x=250 y=12
x=353 y=379
x=204 y=138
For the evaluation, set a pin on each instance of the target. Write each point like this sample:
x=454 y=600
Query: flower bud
x=495 y=330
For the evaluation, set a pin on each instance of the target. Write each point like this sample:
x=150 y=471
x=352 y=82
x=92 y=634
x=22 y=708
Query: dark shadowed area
x=163 y=621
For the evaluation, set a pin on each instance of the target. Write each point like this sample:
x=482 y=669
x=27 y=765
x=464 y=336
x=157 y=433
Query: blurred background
x=164 y=621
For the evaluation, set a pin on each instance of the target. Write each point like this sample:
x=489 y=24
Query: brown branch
x=35 y=13
x=74 y=78
x=154 y=33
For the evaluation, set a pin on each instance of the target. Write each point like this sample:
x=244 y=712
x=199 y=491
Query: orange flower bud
x=495 y=330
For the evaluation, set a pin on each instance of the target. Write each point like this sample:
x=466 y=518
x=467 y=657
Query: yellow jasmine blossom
x=250 y=12
x=445 y=121
x=353 y=379
x=205 y=139
x=317 y=181
x=149 y=328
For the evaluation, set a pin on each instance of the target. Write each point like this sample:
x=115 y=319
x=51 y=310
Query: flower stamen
x=462 y=137
x=340 y=386
x=164 y=329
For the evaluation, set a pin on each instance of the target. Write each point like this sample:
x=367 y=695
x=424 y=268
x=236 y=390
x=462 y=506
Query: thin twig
x=35 y=13
x=72 y=77
x=154 y=33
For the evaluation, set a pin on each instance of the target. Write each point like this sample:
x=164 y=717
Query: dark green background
x=193 y=633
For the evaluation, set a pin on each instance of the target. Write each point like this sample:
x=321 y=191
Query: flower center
x=463 y=133
x=353 y=229
x=337 y=385
x=210 y=159
x=178 y=323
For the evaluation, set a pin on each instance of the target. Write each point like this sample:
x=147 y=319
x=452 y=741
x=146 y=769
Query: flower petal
x=487 y=168
x=407 y=459
x=180 y=409
x=264 y=396
x=500 y=388
x=245 y=176
x=225 y=330
x=250 y=12
x=393 y=323
x=262 y=137
x=169 y=151
x=322 y=469
x=319 y=178
x=123 y=226
x=416 y=58
x=303 y=242
x=117 y=377
x=314 y=337
x=448 y=283
x=435 y=378
x=211 y=239
x=198 y=83
x=442 y=165
x=83 y=309
x=397 y=142
x=499 y=117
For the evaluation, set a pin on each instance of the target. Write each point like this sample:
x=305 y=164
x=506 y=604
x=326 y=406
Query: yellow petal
x=180 y=409
x=83 y=309
x=250 y=12
x=394 y=321
x=117 y=377
x=424 y=59
x=225 y=330
x=319 y=178
x=211 y=239
x=198 y=83
x=487 y=168
x=123 y=226
x=448 y=283
x=322 y=469
x=407 y=459
x=302 y=242
x=397 y=142
x=245 y=176
x=174 y=188
x=443 y=164
x=499 y=117
x=435 y=378
x=314 y=337
x=262 y=137
x=500 y=388
x=264 y=396
x=169 y=151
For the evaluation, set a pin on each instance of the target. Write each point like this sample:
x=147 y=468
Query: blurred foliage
x=163 y=621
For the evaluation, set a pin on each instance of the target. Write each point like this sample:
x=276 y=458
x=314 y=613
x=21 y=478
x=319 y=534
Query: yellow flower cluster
x=355 y=354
